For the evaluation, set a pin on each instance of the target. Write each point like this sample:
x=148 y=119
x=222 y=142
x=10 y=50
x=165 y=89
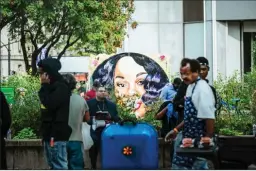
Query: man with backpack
x=204 y=65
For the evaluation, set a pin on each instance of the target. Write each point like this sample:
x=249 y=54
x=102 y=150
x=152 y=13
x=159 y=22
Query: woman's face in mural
x=128 y=81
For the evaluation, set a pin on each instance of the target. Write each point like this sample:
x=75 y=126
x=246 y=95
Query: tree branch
x=32 y=39
x=38 y=31
x=52 y=44
x=6 y=20
x=67 y=45
x=23 y=45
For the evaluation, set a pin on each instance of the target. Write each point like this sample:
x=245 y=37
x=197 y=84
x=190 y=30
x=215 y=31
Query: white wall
x=159 y=31
x=228 y=48
x=194 y=40
x=222 y=31
x=233 y=48
x=235 y=10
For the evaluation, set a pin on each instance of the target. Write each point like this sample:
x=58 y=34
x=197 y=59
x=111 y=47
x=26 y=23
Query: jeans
x=57 y=157
x=199 y=164
x=75 y=155
x=93 y=153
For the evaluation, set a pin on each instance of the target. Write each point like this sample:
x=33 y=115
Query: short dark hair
x=177 y=81
x=70 y=80
x=194 y=64
x=184 y=62
x=203 y=61
x=96 y=84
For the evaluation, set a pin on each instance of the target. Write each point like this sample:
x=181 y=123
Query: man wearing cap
x=204 y=69
x=55 y=97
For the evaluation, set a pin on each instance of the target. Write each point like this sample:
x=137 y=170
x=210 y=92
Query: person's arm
x=87 y=116
x=206 y=108
x=53 y=99
x=178 y=127
x=163 y=94
x=5 y=115
x=160 y=115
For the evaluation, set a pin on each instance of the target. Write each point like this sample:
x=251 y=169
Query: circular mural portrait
x=136 y=80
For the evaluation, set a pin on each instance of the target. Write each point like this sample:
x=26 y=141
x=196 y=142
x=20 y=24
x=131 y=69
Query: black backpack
x=217 y=100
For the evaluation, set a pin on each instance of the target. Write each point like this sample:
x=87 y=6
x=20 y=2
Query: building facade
x=222 y=31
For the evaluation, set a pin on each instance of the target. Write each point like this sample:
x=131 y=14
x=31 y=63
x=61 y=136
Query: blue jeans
x=57 y=157
x=199 y=164
x=75 y=155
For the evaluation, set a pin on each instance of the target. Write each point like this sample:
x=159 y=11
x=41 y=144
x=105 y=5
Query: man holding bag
x=77 y=109
x=103 y=112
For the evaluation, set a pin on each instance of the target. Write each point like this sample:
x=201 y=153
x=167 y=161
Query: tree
x=8 y=11
x=85 y=25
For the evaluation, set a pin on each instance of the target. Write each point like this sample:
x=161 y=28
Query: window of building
x=193 y=10
x=249 y=51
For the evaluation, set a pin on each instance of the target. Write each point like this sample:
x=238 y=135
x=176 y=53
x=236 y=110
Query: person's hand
x=45 y=78
x=170 y=136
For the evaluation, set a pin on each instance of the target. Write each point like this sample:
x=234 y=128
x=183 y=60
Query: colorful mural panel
x=137 y=80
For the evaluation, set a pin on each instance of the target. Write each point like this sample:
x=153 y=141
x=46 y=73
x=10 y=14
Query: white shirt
x=203 y=99
x=77 y=109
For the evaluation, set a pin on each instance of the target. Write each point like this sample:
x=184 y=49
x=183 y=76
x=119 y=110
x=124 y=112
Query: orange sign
x=81 y=77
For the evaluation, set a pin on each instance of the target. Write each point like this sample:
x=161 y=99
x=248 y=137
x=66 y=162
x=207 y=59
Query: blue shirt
x=168 y=92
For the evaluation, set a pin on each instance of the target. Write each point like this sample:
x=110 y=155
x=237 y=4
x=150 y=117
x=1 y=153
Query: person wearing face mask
x=103 y=111
x=199 y=115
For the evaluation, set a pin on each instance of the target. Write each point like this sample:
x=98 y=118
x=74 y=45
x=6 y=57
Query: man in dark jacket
x=5 y=123
x=97 y=107
x=55 y=97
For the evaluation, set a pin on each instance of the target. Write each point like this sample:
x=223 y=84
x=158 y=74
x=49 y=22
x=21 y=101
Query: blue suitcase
x=129 y=146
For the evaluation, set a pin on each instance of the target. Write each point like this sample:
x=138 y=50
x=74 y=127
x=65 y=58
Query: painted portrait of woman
x=131 y=74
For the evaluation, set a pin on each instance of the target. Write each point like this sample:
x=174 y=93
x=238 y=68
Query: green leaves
x=26 y=133
x=231 y=122
x=94 y=26
x=26 y=109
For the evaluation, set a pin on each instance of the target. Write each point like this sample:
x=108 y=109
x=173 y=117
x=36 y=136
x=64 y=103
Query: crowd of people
x=188 y=112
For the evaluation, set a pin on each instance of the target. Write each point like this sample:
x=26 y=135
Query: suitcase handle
x=127 y=120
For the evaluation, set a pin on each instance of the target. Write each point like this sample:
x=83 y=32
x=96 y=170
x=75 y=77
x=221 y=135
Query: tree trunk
x=24 y=50
x=33 y=62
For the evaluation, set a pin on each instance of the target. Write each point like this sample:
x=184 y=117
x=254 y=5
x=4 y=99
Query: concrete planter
x=239 y=150
x=28 y=155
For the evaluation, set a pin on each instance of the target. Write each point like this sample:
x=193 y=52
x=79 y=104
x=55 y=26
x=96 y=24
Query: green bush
x=26 y=109
x=230 y=122
x=26 y=133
